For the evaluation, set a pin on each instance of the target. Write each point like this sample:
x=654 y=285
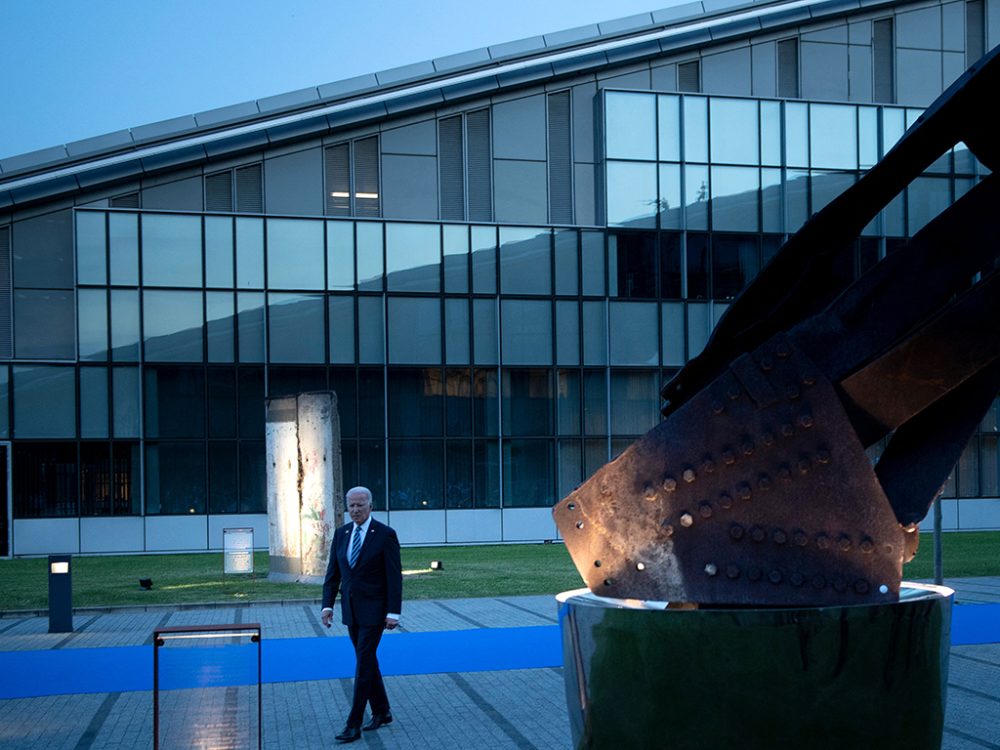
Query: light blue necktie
x=352 y=556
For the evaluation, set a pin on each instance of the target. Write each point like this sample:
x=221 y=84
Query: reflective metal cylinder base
x=866 y=676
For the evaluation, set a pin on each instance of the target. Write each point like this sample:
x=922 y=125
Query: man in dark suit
x=365 y=567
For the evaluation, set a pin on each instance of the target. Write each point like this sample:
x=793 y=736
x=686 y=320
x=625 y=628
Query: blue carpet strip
x=28 y=674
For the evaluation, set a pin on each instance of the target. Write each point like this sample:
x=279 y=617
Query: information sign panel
x=237 y=545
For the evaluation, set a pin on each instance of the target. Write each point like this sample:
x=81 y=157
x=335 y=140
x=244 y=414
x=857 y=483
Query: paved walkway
x=521 y=709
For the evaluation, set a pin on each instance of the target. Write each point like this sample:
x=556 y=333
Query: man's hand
x=327 y=617
x=390 y=624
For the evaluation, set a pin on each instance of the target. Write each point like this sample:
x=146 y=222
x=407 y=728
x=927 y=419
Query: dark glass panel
x=44 y=401
x=632 y=265
x=595 y=402
x=458 y=402
x=670 y=265
x=221 y=402
x=458 y=472
x=222 y=477
x=251 y=387
x=487 y=474
x=253 y=486
x=175 y=402
x=125 y=478
x=568 y=402
x=527 y=402
x=735 y=261
x=349 y=461
x=291 y=381
x=527 y=473
x=95 y=479
x=415 y=474
x=697 y=266
x=175 y=478
x=570 y=466
x=371 y=403
x=45 y=480
x=343 y=383
x=484 y=402
x=416 y=402
x=371 y=470
x=769 y=246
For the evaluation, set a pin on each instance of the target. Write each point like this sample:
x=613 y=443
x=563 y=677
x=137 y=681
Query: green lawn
x=496 y=570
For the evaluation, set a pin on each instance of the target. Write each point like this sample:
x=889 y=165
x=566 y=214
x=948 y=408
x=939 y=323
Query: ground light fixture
x=437 y=565
x=146 y=583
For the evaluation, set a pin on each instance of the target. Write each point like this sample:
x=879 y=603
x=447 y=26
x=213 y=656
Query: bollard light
x=60 y=594
x=437 y=565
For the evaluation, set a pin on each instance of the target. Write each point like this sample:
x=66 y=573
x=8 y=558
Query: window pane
x=294 y=254
x=416 y=476
x=416 y=402
x=527 y=402
x=735 y=261
x=171 y=250
x=222 y=482
x=592 y=261
x=413 y=257
x=91 y=252
x=570 y=466
x=796 y=200
x=123 y=246
x=696 y=197
x=635 y=402
x=670 y=265
x=45 y=480
x=125 y=401
x=250 y=381
x=695 y=128
x=93 y=402
x=371 y=402
x=221 y=402
x=673 y=334
x=595 y=342
x=867 y=137
x=485 y=335
x=173 y=323
x=833 y=136
x=631 y=125
x=527 y=473
x=697 y=266
x=632 y=194
x=250 y=322
x=340 y=255
x=926 y=198
x=249 y=253
x=4 y=401
x=485 y=405
x=44 y=402
x=218 y=251
x=670 y=196
x=770 y=133
x=634 y=333
x=568 y=402
x=371 y=330
x=526 y=327
x=253 y=485
x=735 y=194
x=369 y=239
x=414 y=330
x=567 y=266
x=734 y=131
x=487 y=473
x=296 y=327
x=371 y=470
x=44 y=326
x=567 y=333
x=456 y=259
x=341 y=329
x=828 y=185
x=92 y=319
x=525 y=261
x=632 y=265
x=124 y=325
x=459 y=488
x=175 y=402
x=484 y=255
x=458 y=402
x=219 y=326
x=796 y=134
x=669 y=127
x=175 y=478
x=456 y=328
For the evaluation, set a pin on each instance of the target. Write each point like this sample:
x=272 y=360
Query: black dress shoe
x=349 y=734
x=378 y=720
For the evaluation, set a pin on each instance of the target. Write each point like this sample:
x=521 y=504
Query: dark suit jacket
x=374 y=586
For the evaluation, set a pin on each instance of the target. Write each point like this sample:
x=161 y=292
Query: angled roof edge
x=269 y=121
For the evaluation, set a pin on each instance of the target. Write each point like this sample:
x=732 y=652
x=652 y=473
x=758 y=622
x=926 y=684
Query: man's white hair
x=360 y=491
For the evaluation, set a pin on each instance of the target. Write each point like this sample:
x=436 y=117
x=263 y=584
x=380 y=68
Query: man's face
x=359 y=508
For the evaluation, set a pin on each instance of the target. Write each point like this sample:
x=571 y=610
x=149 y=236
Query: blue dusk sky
x=75 y=69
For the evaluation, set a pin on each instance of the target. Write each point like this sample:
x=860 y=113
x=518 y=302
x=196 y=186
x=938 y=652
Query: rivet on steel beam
x=774 y=576
x=728 y=457
x=579 y=524
x=758 y=534
x=840 y=585
x=804 y=464
x=650 y=492
x=597 y=563
x=725 y=500
x=806 y=420
x=744 y=491
x=867 y=545
x=844 y=543
x=670 y=484
x=571 y=506
x=733 y=392
x=736 y=532
x=764 y=482
x=609 y=581
x=796 y=579
x=782 y=351
x=668 y=528
x=785 y=471
x=861 y=586
x=707 y=465
x=823 y=456
x=605 y=489
x=800 y=538
x=640 y=566
x=718 y=407
x=705 y=510
x=754 y=573
x=766 y=364
x=787 y=430
x=808 y=379
x=883 y=589
x=818 y=582
x=732 y=572
x=747 y=446
x=792 y=391
x=686 y=520
x=887 y=549
x=711 y=569
x=767 y=438
x=779 y=536
x=823 y=541
x=688 y=475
